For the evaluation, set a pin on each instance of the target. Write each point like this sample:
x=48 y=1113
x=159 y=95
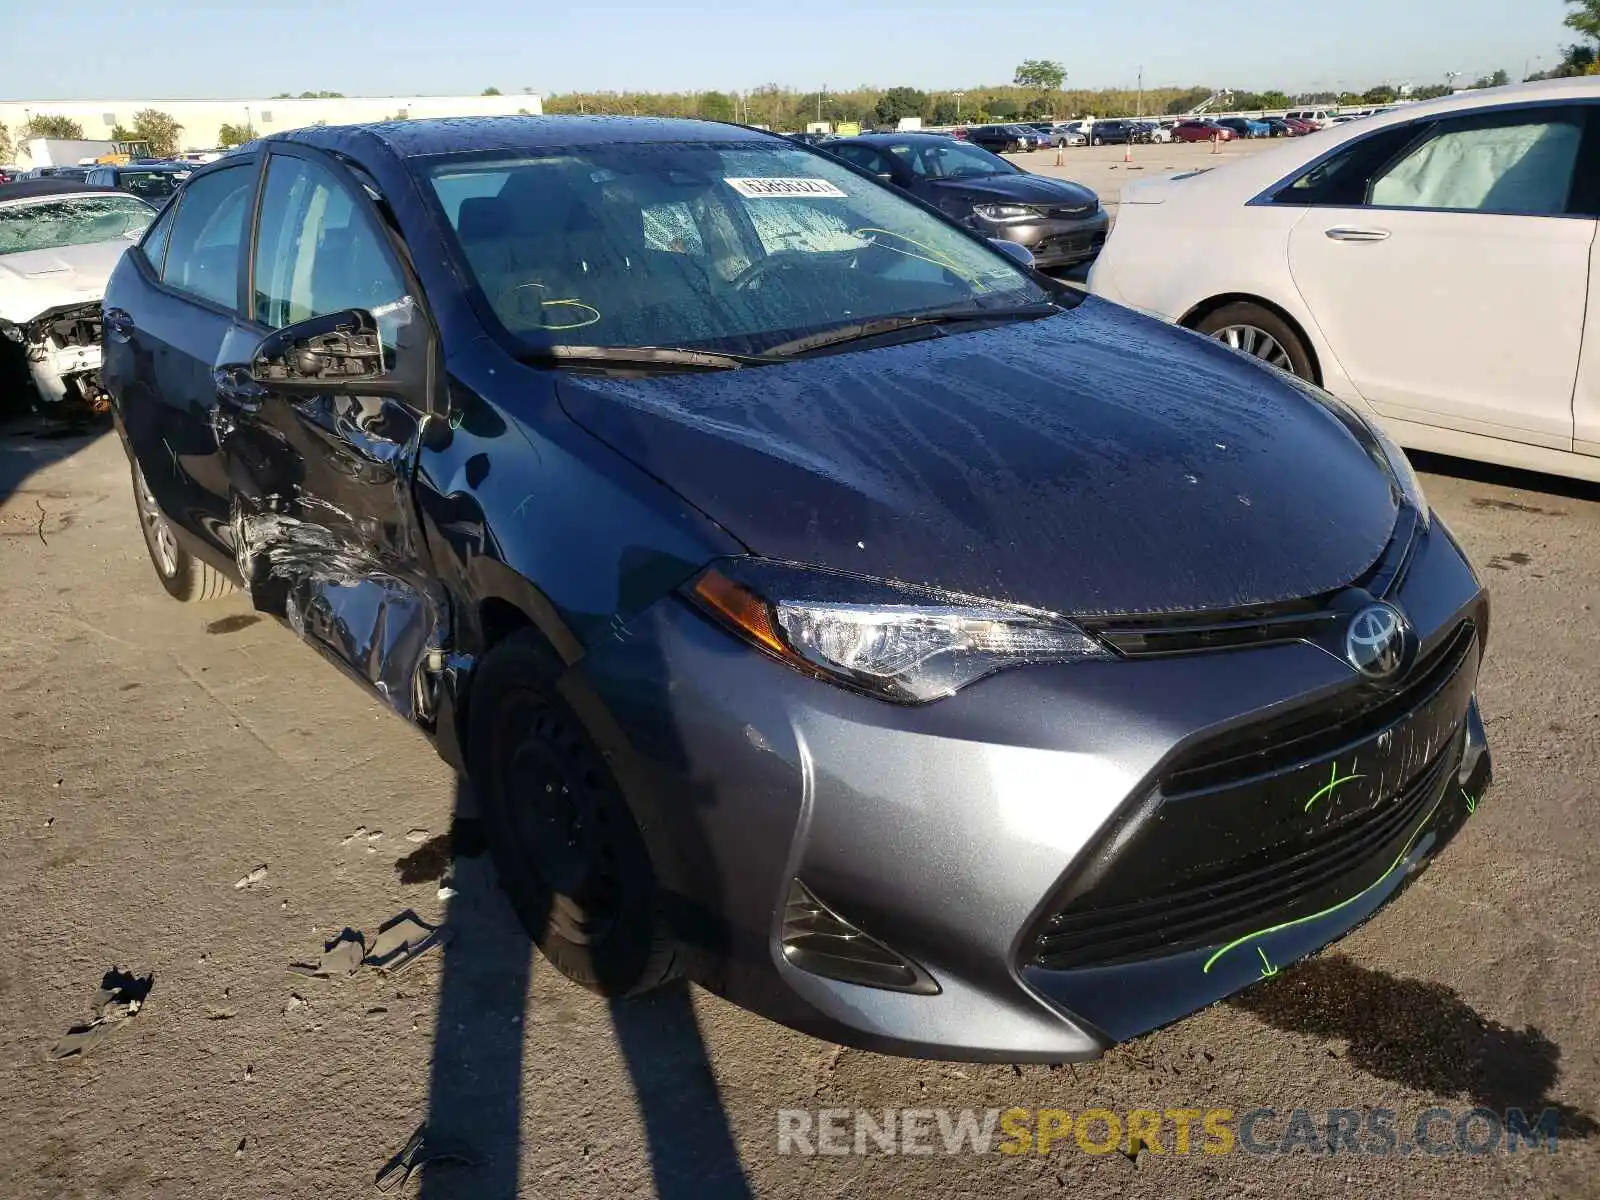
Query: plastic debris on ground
x=340 y=957
x=400 y=942
x=118 y=1001
x=423 y=1150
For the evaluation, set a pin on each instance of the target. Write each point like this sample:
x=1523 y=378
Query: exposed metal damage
x=347 y=581
x=62 y=347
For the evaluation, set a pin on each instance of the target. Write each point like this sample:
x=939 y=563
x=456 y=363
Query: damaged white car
x=59 y=241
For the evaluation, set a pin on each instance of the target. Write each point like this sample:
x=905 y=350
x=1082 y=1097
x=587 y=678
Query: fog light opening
x=818 y=940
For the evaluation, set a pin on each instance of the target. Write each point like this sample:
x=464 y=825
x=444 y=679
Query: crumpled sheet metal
x=346 y=598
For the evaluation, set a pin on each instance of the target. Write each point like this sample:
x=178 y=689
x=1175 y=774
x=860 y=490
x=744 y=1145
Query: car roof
x=464 y=135
x=27 y=189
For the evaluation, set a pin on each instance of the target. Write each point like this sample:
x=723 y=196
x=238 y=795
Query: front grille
x=1271 y=824
x=1291 y=621
x=1071 y=243
x=1331 y=727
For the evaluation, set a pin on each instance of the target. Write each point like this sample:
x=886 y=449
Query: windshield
x=151 y=185
x=946 y=159
x=51 y=222
x=716 y=246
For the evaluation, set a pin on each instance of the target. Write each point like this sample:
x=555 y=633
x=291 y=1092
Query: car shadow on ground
x=1417 y=1033
x=28 y=445
x=1507 y=477
x=475 y=1120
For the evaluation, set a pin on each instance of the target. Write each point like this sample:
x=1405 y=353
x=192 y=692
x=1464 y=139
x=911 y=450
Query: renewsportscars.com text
x=1021 y=1131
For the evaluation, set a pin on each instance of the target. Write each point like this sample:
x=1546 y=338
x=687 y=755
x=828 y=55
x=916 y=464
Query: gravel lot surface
x=190 y=794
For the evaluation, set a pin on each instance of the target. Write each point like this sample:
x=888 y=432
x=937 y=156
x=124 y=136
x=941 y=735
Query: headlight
x=909 y=645
x=1005 y=212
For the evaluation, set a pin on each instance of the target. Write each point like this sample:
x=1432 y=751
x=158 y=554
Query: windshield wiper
x=644 y=356
x=877 y=326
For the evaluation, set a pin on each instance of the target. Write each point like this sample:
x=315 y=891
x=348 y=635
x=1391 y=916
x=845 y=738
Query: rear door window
x=205 y=244
x=154 y=246
x=1340 y=180
x=1521 y=163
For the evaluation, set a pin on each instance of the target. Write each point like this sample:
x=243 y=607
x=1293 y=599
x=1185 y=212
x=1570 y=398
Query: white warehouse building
x=202 y=119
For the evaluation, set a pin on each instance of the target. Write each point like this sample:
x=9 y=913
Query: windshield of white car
x=719 y=246
x=51 y=222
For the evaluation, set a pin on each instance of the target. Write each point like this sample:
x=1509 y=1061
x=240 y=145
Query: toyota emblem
x=1377 y=642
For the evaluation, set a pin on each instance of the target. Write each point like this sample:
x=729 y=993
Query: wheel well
x=1204 y=309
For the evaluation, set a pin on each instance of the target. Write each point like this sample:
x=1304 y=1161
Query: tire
x=1253 y=316
x=568 y=852
x=1099 y=141
x=185 y=577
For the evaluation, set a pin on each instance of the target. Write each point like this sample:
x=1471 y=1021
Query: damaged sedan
x=821 y=604
x=59 y=240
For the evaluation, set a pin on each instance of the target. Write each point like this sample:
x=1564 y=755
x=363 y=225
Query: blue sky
x=174 y=48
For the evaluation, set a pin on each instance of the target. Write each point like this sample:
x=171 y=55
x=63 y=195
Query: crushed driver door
x=324 y=526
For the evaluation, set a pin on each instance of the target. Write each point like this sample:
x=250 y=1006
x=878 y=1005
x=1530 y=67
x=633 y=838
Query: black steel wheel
x=568 y=851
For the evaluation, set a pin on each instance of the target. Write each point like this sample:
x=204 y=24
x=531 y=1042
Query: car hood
x=1094 y=462
x=1025 y=189
x=34 y=281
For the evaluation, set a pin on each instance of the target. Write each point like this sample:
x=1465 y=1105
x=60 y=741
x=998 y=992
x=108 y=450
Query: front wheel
x=1099 y=141
x=184 y=576
x=1260 y=333
x=569 y=854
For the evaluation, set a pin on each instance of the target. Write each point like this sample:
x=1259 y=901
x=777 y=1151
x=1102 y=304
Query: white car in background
x=59 y=240
x=1319 y=118
x=1434 y=265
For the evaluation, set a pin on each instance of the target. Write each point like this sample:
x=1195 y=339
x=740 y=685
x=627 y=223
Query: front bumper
x=956 y=833
x=63 y=350
x=1054 y=242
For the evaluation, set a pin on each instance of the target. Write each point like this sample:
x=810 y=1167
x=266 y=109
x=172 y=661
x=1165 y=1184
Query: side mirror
x=1014 y=250
x=332 y=353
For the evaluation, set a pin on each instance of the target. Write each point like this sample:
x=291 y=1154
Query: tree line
x=150 y=125
x=1038 y=89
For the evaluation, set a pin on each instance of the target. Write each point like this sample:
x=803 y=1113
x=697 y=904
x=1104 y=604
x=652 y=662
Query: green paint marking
x=1267 y=969
x=1472 y=802
x=1317 y=916
x=1327 y=789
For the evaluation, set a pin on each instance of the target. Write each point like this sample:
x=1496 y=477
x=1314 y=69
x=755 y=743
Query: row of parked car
x=154 y=180
x=1117 y=131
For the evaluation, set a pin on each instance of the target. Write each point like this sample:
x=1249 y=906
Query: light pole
x=1450 y=80
x=1141 y=91
x=820 y=95
x=958 y=96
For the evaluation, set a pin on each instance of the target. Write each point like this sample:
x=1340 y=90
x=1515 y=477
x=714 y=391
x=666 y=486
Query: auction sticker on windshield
x=756 y=189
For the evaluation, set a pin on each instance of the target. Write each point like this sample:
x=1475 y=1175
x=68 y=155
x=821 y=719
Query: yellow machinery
x=125 y=153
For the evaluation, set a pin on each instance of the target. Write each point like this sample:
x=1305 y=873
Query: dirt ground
x=191 y=795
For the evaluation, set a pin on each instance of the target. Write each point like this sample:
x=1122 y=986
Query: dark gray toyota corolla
x=822 y=605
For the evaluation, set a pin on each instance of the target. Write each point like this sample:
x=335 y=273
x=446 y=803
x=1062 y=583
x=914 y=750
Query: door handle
x=1347 y=233
x=118 y=325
